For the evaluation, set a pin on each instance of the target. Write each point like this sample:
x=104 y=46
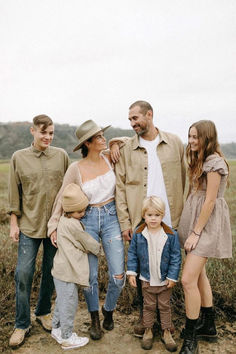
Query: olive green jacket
x=35 y=178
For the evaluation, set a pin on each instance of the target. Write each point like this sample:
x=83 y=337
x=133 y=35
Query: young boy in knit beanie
x=70 y=266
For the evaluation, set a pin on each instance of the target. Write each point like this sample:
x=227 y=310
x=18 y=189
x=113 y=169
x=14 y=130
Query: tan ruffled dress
x=216 y=238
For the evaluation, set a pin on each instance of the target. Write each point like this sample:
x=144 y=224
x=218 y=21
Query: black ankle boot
x=95 y=329
x=182 y=332
x=108 y=323
x=206 y=329
x=190 y=344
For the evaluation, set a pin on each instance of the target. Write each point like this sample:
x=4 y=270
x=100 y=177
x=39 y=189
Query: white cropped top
x=101 y=188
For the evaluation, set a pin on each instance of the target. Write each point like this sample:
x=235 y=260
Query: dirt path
x=120 y=340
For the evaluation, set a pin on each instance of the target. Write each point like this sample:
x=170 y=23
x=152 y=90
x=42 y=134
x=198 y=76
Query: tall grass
x=222 y=273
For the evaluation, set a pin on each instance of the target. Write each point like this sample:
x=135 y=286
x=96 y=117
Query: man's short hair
x=42 y=119
x=144 y=106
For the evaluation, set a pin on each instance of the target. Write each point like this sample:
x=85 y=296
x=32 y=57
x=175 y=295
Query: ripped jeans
x=102 y=223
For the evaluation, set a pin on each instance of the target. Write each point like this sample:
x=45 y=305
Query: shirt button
x=144 y=185
x=145 y=152
x=145 y=168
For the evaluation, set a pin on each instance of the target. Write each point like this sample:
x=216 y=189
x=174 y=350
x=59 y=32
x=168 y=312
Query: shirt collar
x=162 y=136
x=38 y=153
x=161 y=233
x=165 y=227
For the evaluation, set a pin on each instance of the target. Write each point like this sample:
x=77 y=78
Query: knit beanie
x=73 y=199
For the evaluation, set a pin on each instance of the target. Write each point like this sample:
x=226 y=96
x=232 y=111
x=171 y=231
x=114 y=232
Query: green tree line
x=15 y=136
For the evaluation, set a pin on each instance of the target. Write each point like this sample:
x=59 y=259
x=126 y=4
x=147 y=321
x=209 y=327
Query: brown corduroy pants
x=153 y=296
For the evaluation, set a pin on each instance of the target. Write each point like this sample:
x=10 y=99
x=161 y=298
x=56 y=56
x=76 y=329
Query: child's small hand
x=170 y=283
x=53 y=238
x=132 y=281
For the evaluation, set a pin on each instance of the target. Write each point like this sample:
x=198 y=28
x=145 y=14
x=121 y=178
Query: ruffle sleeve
x=215 y=163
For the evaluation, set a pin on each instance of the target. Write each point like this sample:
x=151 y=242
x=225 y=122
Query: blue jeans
x=65 y=307
x=27 y=253
x=102 y=223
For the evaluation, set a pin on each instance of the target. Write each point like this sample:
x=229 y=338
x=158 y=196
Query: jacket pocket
x=30 y=183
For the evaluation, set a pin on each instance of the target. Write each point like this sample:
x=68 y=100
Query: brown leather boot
x=139 y=328
x=168 y=340
x=95 y=329
x=147 y=340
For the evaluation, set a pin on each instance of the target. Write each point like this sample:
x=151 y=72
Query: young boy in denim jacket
x=155 y=250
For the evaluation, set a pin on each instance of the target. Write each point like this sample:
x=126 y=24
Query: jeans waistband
x=111 y=202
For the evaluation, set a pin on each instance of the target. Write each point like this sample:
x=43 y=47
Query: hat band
x=88 y=135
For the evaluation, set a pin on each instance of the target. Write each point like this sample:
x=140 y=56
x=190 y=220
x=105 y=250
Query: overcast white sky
x=76 y=60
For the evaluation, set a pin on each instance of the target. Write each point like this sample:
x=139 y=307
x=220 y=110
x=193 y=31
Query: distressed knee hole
x=119 y=276
x=119 y=280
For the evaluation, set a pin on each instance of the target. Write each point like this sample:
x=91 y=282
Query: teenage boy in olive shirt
x=35 y=177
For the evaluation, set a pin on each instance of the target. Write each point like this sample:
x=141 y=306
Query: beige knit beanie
x=73 y=199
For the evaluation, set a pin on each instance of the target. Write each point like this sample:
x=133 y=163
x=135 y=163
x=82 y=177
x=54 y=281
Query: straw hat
x=73 y=199
x=86 y=130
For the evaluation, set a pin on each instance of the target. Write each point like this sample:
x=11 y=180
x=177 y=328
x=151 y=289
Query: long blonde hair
x=207 y=145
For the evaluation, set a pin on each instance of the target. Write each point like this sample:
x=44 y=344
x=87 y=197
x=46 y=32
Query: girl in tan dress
x=204 y=230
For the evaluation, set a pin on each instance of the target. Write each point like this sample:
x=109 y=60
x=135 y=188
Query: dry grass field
x=222 y=273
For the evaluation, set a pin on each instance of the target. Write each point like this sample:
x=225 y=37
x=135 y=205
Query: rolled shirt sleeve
x=14 y=190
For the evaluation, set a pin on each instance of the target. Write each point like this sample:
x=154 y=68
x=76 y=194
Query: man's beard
x=142 y=131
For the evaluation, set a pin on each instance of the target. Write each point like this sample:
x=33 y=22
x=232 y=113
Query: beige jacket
x=131 y=178
x=71 y=260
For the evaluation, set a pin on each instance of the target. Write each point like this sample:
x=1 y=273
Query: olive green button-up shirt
x=34 y=180
x=132 y=178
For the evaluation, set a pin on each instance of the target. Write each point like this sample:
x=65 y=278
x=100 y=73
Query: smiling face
x=153 y=219
x=98 y=142
x=42 y=137
x=193 y=139
x=139 y=122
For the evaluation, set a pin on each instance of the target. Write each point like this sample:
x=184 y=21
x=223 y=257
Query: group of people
x=132 y=192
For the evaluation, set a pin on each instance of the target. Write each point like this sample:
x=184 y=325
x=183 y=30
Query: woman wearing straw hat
x=96 y=178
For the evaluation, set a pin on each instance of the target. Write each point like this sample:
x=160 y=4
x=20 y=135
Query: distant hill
x=15 y=136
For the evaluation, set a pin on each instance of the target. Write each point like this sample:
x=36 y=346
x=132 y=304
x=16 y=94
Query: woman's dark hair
x=84 y=149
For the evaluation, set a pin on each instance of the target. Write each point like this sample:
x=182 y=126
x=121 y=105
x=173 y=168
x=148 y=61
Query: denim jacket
x=138 y=258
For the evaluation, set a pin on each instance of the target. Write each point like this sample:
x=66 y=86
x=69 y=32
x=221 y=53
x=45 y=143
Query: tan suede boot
x=45 y=321
x=168 y=340
x=147 y=340
x=18 y=337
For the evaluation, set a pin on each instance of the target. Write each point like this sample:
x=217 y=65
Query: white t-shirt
x=155 y=184
x=156 y=243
